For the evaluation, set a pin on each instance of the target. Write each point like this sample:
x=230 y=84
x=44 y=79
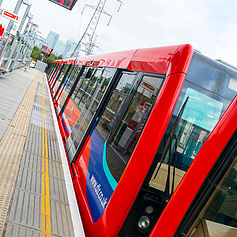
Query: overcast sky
x=209 y=25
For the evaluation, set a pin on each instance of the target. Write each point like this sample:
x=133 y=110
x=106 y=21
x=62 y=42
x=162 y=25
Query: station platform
x=36 y=193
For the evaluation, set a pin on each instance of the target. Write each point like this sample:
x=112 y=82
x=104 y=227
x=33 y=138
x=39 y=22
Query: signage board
x=69 y=4
x=10 y=16
x=46 y=51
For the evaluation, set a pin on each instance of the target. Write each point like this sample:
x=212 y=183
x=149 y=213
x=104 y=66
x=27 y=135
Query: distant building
x=69 y=48
x=52 y=39
x=59 y=47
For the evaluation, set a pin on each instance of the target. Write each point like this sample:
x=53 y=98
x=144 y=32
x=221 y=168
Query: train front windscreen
x=206 y=93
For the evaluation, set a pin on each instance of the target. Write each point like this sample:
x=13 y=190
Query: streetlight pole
x=27 y=41
x=10 y=25
x=14 y=44
x=21 y=44
x=30 y=42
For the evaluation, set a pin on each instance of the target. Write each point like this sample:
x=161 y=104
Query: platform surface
x=33 y=194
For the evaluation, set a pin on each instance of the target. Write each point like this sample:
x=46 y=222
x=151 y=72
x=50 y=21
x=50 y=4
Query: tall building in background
x=59 y=47
x=52 y=39
x=69 y=48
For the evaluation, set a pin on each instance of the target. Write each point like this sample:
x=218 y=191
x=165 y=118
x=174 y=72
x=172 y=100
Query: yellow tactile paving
x=11 y=147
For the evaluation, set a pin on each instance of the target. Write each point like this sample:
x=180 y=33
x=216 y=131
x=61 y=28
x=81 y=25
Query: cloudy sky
x=209 y=25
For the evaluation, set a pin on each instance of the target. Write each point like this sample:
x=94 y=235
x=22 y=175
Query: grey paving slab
x=60 y=219
x=13 y=88
x=27 y=210
x=14 y=230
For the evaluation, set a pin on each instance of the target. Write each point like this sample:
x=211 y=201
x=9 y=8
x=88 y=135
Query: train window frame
x=212 y=77
x=72 y=78
x=56 y=74
x=88 y=81
x=87 y=75
x=57 y=80
x=70 y=143
x=55 y=67
x=67 y=75
x=139 y=76
x=64 y=72
x=128 y=96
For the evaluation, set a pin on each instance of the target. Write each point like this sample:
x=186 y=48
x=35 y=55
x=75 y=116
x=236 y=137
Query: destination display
x=69 y=4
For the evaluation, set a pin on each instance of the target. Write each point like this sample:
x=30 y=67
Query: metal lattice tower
x=87 y=41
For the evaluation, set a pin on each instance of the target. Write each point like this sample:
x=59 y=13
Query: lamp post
x=15 y=41
x=20 y=45
x=10 y=25
x=30 y=41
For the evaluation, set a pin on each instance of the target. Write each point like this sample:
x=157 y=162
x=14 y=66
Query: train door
x=70 y=112
x=55 y=74
x=92 y=92
x=67 y=86
x=113 y=138
x=64 y=81
x=51 y=70
x=60 y=78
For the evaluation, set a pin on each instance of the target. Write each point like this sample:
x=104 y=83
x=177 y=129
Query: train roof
x=153 y=60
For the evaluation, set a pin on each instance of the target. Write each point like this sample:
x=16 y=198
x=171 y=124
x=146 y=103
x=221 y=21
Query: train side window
x=93 y=93
x=60 y=78
x=78 y=92
x=56 y=73
x=123 y=133
x=219 y=216
x=115 y=103
x=66 y=87
x=88 y=87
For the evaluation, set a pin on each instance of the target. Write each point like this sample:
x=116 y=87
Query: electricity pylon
x=87 y=41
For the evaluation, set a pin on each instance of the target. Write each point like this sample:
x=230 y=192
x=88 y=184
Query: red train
x=151 y=140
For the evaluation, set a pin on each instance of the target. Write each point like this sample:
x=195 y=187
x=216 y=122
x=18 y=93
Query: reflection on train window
x=124 y=134
x=67 y=85
x=186 y=133
x=190 y=124
x=92 y=95
x=60 y=78
x=113 y=108
x=219 y=217
x=56 y=72
x=79 y=92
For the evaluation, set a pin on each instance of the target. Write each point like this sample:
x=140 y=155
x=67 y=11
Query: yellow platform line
x=45 y=204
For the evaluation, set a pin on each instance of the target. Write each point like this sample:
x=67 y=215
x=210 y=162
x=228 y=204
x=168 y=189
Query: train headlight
x=149 y=210
x=143 y=223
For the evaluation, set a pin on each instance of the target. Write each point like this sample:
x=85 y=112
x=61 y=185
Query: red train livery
x=150 y=136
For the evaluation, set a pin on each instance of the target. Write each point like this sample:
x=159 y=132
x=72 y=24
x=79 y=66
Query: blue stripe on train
x=100 y=183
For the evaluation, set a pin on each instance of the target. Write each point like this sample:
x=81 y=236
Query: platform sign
x=46 y=51
x=10 y=16
x=69 y=4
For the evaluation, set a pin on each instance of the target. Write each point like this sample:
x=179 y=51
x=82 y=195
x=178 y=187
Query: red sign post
x=1 y=30
x=10 y=16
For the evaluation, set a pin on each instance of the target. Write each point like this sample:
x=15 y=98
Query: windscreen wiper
x=168 y=147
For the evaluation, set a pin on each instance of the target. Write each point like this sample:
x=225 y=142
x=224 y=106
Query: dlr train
x=151 y=141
